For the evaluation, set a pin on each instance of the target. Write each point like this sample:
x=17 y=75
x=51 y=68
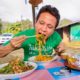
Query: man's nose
x=44 y=28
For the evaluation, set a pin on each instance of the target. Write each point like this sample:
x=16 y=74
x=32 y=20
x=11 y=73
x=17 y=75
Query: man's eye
x=41 y=22
x=49 y=26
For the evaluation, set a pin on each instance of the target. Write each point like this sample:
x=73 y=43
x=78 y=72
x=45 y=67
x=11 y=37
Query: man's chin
x=46 y=38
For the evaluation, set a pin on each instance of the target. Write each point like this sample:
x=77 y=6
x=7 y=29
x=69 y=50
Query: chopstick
x=34 y=36
x=31 y=36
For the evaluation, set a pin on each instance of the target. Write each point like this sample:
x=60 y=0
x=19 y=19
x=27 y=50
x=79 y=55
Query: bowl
x=72 y=57
x=17 y=75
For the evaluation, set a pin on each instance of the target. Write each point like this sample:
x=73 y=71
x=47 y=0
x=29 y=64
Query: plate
x=18 y=75
x=53 y=58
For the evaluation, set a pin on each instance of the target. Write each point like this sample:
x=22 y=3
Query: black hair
x=52 y=10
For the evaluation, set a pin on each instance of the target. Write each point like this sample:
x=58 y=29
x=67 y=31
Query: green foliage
x=17 y=27
x=0 y=26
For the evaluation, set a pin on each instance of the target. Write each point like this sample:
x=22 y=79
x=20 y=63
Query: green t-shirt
x=30 y=45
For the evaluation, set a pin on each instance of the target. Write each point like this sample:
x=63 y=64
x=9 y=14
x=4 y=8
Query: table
x=46 y=72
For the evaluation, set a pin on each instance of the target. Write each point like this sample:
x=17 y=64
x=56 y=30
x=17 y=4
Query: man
x=46 y=22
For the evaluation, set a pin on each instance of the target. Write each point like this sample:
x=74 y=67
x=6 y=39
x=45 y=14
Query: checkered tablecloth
x=46 y=72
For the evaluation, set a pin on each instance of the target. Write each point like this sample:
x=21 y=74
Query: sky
x=16 y=10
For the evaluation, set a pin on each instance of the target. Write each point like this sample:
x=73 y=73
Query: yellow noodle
x=41 y=42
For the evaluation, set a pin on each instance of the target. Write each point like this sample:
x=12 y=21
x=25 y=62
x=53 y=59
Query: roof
x=65 y=23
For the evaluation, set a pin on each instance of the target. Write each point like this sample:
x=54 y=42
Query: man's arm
x=5 y=50
x=15 y=43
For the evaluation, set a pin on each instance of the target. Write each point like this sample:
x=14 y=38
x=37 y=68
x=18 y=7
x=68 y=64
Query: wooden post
x=34 y=3
x=33 y=11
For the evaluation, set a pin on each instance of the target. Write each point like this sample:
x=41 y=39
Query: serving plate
x=32 y=59
x=18 y=75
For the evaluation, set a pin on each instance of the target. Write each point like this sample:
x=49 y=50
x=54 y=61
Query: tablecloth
x=45 y=71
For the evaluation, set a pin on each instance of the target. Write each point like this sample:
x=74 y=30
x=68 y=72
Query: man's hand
x=60 y=48
x=17 y=41
x=14 y=43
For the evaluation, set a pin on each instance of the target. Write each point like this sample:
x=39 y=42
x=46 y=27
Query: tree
x=16 y=27
x=0 y=26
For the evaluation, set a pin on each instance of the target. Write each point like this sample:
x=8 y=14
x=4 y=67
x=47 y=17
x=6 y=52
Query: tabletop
x=49 y=71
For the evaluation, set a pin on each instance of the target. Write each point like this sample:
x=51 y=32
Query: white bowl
x=18 y=75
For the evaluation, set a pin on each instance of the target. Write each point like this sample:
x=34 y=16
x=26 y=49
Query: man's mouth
x=42 y=34
x=41 y=37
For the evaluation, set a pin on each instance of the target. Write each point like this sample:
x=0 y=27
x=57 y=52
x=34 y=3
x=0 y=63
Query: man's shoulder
x=55 y=33
x=25 y=32
x=56 y=36
x=28 y=30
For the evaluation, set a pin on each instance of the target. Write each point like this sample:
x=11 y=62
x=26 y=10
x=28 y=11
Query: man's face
x=45 y=24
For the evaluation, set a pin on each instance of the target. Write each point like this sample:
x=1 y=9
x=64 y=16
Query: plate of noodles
x=16 y=69
x=43 y=58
